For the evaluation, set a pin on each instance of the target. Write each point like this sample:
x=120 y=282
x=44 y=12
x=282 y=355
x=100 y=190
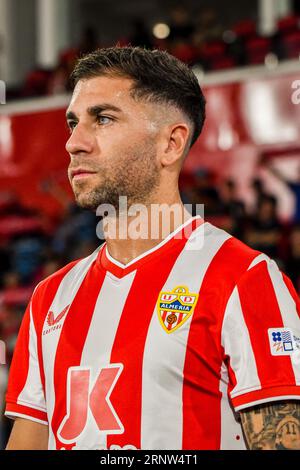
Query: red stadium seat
x=12 y=225
x=222 y=63
x=213 y=50
x=291 y=45
x=257 y=49
x=185 y=53
x=288 y=24
x=214 y=55
x=36 y=83
x=16 y=296
x=245 y=29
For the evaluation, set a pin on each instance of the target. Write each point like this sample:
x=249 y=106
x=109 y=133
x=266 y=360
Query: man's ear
x=176 y=138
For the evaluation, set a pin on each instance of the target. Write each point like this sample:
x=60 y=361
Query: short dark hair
x=157 y=76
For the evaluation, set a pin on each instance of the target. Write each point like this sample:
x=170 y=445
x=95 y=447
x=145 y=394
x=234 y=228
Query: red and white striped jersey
x=161 y=353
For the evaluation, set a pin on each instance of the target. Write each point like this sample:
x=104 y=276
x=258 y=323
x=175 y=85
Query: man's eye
x=71 y=125
x=104 y=119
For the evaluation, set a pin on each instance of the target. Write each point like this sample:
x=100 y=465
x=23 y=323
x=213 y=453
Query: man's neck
x=129 y=236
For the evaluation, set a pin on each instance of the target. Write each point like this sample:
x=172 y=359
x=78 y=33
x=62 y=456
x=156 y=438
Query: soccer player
x=182 y=339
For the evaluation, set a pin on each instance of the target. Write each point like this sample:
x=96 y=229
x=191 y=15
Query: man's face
x=112 y=145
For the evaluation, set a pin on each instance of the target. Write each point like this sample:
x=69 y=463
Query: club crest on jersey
x=175 y=307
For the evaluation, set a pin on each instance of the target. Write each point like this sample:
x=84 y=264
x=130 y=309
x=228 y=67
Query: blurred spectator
x=258 y=189
x=294 y=186
x=140 y=35
x=14 y=292
x=180 y=37
x=205 y=192
x=79 y=227
x=50 y=267
x=296 y=6
x=231 y=202
x=88 y=42
x=234 y=208
x=293 y=261
x=52 y=264
x=58 y=82
x=181 y=27
x=207 y=26
x=264 y=229
x=27 y=255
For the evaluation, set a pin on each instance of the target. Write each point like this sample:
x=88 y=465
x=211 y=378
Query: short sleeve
x=261 y=337
x=25 y=394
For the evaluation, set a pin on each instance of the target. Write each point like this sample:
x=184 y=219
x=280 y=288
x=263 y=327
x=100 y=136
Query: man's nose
x=80 y=141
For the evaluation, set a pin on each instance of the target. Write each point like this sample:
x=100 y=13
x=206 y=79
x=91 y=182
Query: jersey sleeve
x=261 y=337
x=25 y=394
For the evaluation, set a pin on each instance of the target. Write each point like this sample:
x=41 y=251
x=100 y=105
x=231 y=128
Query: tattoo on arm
x=274 y=426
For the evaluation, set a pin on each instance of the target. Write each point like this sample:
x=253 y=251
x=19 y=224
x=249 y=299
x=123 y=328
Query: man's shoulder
x=230 y=243
x=51 y=283
x=57 y=276
x=234 y=254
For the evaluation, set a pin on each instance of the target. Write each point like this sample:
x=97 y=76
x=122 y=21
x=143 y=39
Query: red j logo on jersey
x=81 y=397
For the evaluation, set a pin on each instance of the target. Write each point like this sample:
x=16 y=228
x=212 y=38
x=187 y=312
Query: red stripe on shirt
x=20 y=362
x=164 y=315
x=13 y=409
x=261 y=312
x=130 y=340
x=280 y=392
x=41 y=304
x=72 y=340
x=292 y=291
x=180 y=317
x=231 y=377
x=204 y=357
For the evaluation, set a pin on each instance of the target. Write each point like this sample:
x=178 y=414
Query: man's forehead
x=116 y=92
x=103 y=88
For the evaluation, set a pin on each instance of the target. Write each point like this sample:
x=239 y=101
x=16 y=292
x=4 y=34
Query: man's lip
x=81 y=171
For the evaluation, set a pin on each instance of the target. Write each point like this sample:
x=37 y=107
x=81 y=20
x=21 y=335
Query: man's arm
x=273 y=426
x=28 y=435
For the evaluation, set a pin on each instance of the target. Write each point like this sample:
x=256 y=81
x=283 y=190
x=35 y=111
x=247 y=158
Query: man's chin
x=86 y=202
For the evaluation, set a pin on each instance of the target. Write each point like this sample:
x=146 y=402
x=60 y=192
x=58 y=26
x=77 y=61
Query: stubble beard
x=135 y=175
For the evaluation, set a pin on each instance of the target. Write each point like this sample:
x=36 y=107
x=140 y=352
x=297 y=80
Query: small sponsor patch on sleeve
x=281 y=341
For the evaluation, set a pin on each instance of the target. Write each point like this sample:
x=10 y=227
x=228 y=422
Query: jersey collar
x=179 y=236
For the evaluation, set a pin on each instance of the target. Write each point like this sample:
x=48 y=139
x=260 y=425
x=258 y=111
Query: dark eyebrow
x=99 y=108
x=70 y=116
x=94 y=111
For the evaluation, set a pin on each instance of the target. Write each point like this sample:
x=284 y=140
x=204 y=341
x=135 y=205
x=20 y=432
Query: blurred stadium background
x=245 y=167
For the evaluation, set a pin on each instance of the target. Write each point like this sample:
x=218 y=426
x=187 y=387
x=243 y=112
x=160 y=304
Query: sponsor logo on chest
x=53 y=322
